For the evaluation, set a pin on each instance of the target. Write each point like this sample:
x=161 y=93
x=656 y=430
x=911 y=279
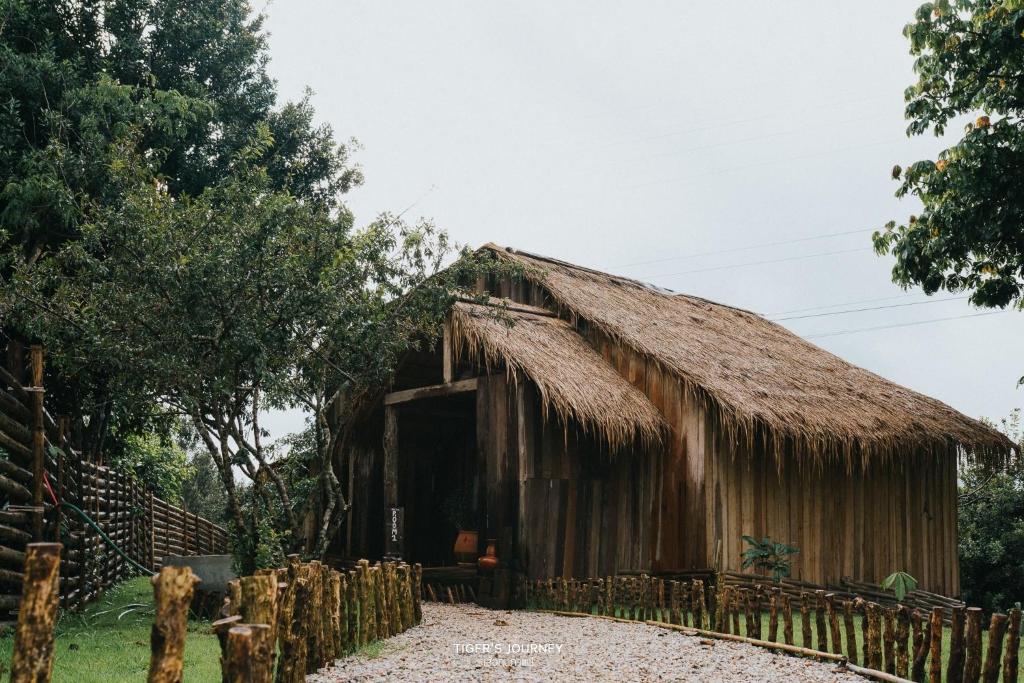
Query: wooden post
x=390 y=456
x=902 y=636
x=38 y=442
x=220 y=629
x=292 y=668
x=889 y=640
x=353 y=611
x=873 y=646
x=417 y=592
x=922 y=645
x=805 y=621
x=833 y=622
x=935 y=666
x=773 y=615
x=972 y=661
x=820 y=629
x=258 y=604
x=955 y=665
x=249 y=654
x=994 y=655
x=787 y=619
x=851 y=634
x=1010 y=663
x=172 y=589
x=699 y=603
x=32 y=661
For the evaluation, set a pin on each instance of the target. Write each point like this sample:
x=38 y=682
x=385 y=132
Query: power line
x=886 y=327
x=845 y=303
x=733 y=250
x=872 y=308
x=760 y=263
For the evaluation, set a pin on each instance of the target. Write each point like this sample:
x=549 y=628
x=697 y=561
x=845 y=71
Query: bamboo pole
x=972 y=662
x=172 y=589
x=994 y=654
x=32 y=660
x=1010 y=663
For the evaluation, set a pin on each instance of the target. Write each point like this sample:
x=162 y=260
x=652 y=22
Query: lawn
x=108 y=642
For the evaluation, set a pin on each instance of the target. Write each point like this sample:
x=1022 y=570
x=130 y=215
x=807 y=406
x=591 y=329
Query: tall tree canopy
x=969 y=235
x=177 y=239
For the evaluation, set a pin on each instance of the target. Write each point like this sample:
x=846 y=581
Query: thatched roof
x=765 y=382
x=571 y=377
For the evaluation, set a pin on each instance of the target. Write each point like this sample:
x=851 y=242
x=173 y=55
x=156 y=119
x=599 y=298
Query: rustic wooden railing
x=896 y=641
x=45 y=481
x=283 y=623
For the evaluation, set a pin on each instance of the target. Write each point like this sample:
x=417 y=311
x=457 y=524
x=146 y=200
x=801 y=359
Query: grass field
x=108 y=642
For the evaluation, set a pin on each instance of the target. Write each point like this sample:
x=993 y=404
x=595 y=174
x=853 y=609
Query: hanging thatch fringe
x=766 y=388
x=571 y=377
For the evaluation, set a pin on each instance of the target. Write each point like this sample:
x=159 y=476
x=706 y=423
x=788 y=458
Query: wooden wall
x=559 y=502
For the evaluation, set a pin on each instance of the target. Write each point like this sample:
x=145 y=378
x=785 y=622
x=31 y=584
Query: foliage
x=900 y=583
x=201 y=490
x=157 y=462
x=767 y=555
x=969 y=235
x=991 y=528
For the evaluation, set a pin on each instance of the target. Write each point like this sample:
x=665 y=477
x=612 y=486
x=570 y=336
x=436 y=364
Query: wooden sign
x=394 y=532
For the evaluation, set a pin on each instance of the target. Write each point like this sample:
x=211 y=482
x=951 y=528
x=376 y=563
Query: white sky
x=611 y=133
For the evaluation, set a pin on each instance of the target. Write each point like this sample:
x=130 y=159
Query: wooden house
x=594 y=424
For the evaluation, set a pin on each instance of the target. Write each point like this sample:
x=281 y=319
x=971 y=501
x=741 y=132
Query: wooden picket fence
x=41 y=471
x=886 y=642
x=283 y=623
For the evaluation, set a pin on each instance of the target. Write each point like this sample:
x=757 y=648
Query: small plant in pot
x=459 y=513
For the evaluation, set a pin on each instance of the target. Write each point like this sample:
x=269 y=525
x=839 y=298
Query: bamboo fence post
x=787 y=620
x=292 y=668
x=889 y=640
x=851 y=634
x=935 y=666
x=820 y=629
x=773 y=615
x=922 y=638
x=955 y=665
x=902 y=637
x=972 y=662
x=993 y=657
x=874 y=642
x=833 y=622
x=172 y=589
x=1010 y=663
x=258 y=601
x=32 y=660
x=805 y=621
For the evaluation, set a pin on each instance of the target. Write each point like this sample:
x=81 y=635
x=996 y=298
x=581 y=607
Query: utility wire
x=871 y=308
x=759 y=263
x=887 y=327
x=763 y=245
x=845 y=303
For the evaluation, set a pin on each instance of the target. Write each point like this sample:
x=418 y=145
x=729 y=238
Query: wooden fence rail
x=283 y=623
x=41 y=473
x=896 y=640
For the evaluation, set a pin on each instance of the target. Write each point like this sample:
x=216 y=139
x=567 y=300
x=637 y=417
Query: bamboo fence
x=888 y=642
x=40 y=471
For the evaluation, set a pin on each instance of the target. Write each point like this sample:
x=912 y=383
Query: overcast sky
x=674 y=142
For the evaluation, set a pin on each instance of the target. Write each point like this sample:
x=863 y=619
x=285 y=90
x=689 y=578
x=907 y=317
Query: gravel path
x=469 y=643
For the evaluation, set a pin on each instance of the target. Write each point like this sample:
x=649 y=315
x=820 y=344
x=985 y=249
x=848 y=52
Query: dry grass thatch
x=571 y=377
x=762 y=382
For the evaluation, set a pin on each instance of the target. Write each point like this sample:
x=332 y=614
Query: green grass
x=108 y=642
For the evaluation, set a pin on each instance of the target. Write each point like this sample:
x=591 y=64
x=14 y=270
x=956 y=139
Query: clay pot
x=465 y=546
x=489 y=562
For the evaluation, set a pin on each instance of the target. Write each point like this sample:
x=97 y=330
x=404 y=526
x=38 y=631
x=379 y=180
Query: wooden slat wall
x=558 y=501
x=860 y=524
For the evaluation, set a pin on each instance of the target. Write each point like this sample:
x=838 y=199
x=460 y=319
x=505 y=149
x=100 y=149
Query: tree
x=201 y=490
x=991 y=526
x=178 y=87
x=969 y=235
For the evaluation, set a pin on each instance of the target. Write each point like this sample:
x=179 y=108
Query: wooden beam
x=447 y=355
x=433 y=391
x=391 y=456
